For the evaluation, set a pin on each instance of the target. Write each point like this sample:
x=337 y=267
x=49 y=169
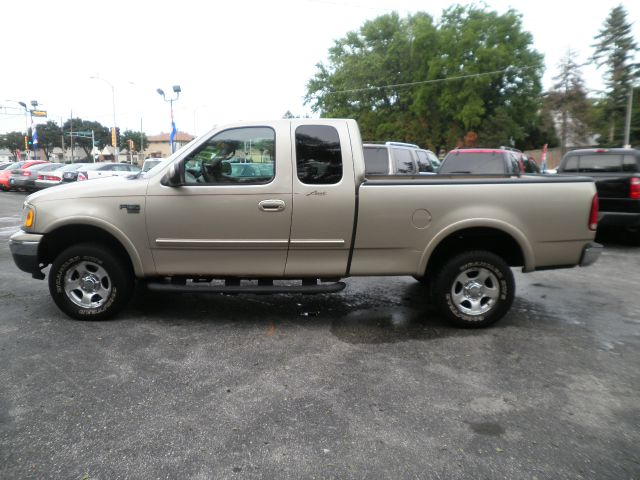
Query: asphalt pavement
x=367 y=383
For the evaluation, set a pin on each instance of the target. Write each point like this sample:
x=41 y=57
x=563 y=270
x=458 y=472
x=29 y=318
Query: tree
x=12 y=141
x=568 y=102
x=102 y=134
x=49 y=137
x=135 y=137
x=615 y=49
x=472 y=75
x=366 y=73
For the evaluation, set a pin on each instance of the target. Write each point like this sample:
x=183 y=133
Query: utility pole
x=627 y=122
x=71 y=123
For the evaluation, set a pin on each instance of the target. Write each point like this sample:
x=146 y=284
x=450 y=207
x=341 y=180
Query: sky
x=235 y=60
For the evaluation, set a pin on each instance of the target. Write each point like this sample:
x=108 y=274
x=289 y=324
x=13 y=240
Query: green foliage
x=135 y=136
x=101 y=134
x=569 y=103
x=49 y=137
x=615 y=50
x=411 y=79
x=12 y=141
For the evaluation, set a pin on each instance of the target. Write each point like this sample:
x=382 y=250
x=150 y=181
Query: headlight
x=28 y=216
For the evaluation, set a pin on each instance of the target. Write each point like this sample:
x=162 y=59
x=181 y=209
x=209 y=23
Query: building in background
x=159 y=145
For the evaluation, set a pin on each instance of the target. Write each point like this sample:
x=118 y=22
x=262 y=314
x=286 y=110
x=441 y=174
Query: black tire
x=426 y=281
x=90 y=282
x=474 y=289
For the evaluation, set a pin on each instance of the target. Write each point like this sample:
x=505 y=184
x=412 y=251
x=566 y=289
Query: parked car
x=149 y=163
x=481 y=161
x=616 y=172
x=106 y=169
x=6 y=173
x=54 y=177
x=4 y=165
x=25 y=178
x=396 y=158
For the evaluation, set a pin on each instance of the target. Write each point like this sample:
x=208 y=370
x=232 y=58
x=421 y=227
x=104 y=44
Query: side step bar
x=233 y=287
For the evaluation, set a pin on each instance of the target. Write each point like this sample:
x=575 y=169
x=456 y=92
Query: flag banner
x=35 y=134
x=173 y=132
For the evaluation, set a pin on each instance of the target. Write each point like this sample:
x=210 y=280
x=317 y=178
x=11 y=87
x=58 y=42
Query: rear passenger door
x=323 y=199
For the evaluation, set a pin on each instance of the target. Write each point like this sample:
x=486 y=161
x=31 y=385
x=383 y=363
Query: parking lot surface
x=368 y=383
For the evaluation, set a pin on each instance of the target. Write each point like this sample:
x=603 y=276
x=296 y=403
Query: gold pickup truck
x=285 y=206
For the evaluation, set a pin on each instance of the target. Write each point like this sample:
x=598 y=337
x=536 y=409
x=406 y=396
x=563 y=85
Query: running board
x=229 y=287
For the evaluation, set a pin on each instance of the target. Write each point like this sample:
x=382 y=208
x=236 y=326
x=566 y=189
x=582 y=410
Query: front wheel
x=90 y=282
x=474 y=289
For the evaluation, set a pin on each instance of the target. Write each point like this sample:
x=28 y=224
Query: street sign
x=38 y=113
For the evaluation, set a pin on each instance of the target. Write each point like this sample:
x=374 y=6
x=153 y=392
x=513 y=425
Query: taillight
x=40 y=177
x=593 y=215
x=634 y=188
x=52 y=177
x=81 y=176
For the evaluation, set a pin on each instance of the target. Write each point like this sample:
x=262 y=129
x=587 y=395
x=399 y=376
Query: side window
x=403 y=161
x=236 y=156
x=376 y=160
x=424 y=165
x=318 y=154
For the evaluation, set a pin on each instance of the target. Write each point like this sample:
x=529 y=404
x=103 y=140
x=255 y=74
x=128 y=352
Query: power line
x=424 y=82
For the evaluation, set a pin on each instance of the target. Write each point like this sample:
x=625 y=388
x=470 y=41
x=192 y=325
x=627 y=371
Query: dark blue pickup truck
x=616 y=172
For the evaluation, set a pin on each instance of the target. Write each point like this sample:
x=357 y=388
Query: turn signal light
x=28 y=221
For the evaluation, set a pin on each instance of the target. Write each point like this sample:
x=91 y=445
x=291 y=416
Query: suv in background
x=482 y=161
x=616 y=172
x=396 y=158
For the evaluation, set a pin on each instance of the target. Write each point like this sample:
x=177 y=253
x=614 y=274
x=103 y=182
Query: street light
x=113 y=100
x=176 y=90
x=26 y=122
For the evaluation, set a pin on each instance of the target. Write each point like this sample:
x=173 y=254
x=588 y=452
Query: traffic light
x=113 y=137
x=132 y=145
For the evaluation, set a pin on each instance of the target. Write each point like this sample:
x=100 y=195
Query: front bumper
x=24 y=249
x=590 y=253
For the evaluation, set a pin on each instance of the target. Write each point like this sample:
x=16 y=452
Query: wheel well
x=489 y=239
x=64 y=237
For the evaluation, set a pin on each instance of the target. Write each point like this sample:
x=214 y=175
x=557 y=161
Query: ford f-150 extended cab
x=285 y=206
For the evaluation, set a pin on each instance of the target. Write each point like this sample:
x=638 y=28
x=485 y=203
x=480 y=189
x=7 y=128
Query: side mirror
x=173 y=177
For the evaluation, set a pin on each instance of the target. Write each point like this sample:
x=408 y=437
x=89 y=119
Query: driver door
x=232 y=217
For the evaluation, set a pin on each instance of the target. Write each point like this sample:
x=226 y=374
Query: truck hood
x=100 y=187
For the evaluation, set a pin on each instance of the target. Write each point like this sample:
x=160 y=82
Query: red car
x=6 y=173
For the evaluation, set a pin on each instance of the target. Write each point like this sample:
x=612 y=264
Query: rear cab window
x=318 y=155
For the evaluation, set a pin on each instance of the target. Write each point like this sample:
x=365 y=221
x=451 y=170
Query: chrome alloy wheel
x=475 y=291
x=87 y=284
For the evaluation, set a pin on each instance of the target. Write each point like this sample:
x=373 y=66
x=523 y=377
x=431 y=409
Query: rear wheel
x=474 y=289
x=90 y=282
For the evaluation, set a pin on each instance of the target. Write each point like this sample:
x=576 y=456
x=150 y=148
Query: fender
x=515 y=233
x=118 y=234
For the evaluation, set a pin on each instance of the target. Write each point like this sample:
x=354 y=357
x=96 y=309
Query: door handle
x=271 y=205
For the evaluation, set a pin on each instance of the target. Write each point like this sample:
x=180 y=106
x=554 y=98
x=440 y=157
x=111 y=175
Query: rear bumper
x=619 y=219
x=24 y=249
x=590 y=253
